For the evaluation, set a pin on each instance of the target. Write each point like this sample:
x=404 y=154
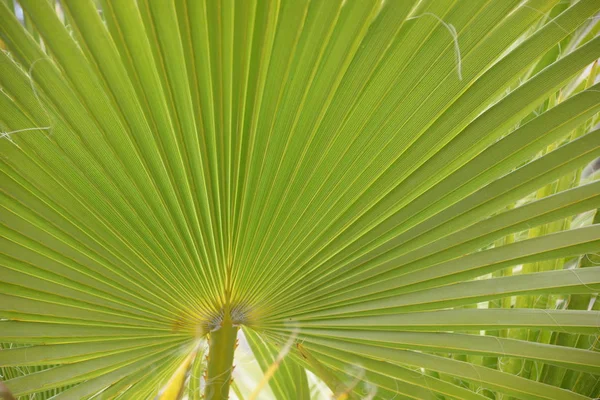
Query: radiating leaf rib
x=101 y=118
x=467 y=319
x=67 y=374
x=115 y=76
x=570 y=281
x=128 y=34
x=92 y=386
x=443 y=250
x=405 y=381
x=449 y=186
x=339 y=224
x=73 y=353
x=440 y=342
x=26 y=301
x=524 y=143
x=77 y=255
x=170 y=60
x=15 y=331
x=506 y=383
x=92 y=194
x=369 y=46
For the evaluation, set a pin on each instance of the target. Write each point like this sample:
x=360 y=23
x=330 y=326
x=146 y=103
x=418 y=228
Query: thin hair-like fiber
x=454 y=35
x=7 y=135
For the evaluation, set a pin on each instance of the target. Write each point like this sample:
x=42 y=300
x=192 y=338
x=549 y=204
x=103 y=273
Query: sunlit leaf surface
x=296 y=199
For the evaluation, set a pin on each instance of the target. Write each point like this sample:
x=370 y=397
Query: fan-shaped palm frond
x=390 y=197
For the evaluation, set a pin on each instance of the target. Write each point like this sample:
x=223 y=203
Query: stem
x=222 y=344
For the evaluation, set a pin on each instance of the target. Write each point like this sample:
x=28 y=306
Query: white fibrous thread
x=454 y=35
x=7 y=135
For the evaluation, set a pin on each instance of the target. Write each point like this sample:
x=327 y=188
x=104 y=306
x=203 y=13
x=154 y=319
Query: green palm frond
x=381 y=199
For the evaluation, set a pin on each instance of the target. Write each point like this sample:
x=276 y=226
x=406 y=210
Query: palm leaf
x=406 y=189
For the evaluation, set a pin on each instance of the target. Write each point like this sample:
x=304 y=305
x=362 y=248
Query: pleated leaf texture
x=373 y=199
